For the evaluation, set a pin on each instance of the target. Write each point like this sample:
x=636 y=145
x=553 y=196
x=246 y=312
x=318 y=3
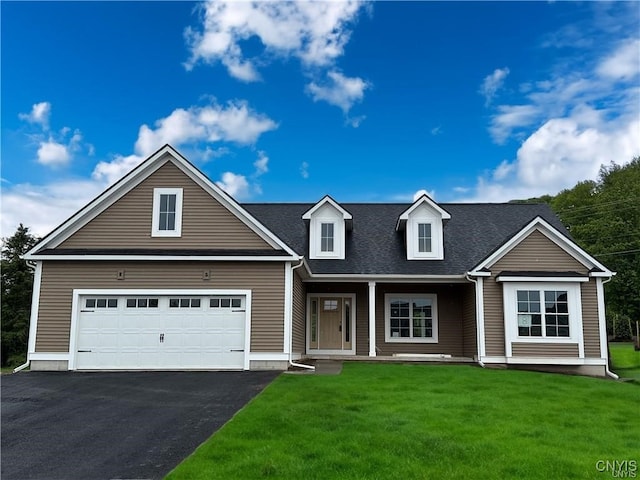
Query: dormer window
x=167 y=212
x=422 y=224
x=328 y=226
x=326 y=237
x=424 y=238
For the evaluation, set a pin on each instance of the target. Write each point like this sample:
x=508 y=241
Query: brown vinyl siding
x=362 y=308
x=59 y=278
x=590 y=321
x=469 y=328
x=534 y=253
x=450 y=313
x=523 y=349
x=537 y=253
x=493 y=318
x=205 y=222
x=299 y=320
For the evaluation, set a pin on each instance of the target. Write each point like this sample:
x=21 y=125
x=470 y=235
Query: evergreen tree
x=17 y=286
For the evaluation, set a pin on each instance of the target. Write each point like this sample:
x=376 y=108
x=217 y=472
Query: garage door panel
x=132 y=335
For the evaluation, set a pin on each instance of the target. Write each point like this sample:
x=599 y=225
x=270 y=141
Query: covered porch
x=389 y=321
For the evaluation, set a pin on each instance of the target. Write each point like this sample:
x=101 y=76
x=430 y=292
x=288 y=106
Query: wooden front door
x=330 y=324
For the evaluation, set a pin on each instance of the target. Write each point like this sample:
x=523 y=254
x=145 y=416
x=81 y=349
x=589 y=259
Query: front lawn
x=377 y=421
x=625 y=360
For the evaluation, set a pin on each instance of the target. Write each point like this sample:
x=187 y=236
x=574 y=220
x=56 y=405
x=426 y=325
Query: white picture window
x=167 y=212
x=542 y=311
x=411 y=318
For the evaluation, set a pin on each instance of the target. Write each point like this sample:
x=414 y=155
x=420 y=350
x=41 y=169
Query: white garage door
x=161 y=332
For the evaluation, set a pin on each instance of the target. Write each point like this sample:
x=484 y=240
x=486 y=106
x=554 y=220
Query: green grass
x=424 y=421
x=625 y=360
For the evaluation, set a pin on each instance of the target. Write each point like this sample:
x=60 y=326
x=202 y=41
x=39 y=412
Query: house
x=164 y=270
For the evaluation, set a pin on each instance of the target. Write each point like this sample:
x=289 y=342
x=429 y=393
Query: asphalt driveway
x=114 y=425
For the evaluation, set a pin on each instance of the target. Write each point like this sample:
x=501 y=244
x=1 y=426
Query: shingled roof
x=374 y=247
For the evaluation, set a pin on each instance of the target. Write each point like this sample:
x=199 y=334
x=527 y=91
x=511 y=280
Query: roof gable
x=540 y=225
x=423 y=201
x=327 y=200
x=159 y=160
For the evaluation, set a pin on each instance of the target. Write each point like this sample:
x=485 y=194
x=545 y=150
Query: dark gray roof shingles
x=374 y=247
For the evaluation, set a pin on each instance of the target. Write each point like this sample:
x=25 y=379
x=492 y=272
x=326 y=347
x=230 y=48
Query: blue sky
x=368 y=102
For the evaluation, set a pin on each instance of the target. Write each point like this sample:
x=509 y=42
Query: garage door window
x=142 y=303
x=184 y=303
x=101 y=303
x=226 y=302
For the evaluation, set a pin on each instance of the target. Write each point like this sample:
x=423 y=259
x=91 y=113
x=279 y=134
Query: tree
x=17 y=286
x=604 y=218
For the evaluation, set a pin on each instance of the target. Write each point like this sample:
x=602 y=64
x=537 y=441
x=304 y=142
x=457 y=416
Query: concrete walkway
x=328 y=367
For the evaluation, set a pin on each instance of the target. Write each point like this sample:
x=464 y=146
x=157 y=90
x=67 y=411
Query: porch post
x=372 y=319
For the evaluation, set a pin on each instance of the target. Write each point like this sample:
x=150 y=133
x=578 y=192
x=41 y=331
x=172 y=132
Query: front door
x=331 y=324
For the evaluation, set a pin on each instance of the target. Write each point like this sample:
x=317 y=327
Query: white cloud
x=39 y=114
x=437 y=130
x=314 y=32
x=492 y=83
x=42 y=207
x=431 y=194
x=233 y=122
x=339 y=90
x=623 y=63
x=584 y=114
x=261 y=164
x=502 y=170
x=509 y=118
x=304 y=170
x=55 y=149
x=53 y=154
x=235 y=185
x=111 y=171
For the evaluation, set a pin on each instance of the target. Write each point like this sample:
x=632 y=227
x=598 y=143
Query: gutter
x=291 y=362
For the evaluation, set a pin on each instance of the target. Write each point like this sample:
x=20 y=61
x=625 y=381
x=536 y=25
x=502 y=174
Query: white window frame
x=332 y=237
x=574 y=303
x=155 y=223
x=408 y=296
x=327 y=214
x=424 y=214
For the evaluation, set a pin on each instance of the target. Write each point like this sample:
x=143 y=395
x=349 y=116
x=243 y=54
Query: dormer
x=328 y=226
x=422 y=223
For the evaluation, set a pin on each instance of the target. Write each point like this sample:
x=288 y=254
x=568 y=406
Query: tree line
x=603 y=217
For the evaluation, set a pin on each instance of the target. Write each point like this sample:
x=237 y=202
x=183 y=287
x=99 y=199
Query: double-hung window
x=167 y=212
x=424 y=237
x=326 y=237
x=411 y=318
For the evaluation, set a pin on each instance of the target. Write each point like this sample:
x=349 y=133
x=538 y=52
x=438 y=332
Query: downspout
x=21 y=367
x=475 y=281
x=606 y=365
x=291 y=362
x=37 y=268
